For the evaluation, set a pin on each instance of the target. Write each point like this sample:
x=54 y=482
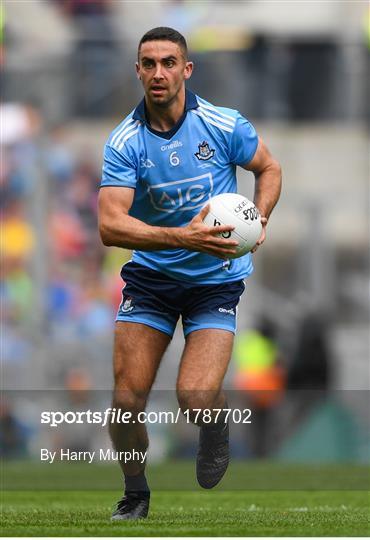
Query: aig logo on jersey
x=181 y=195
x=204 y=151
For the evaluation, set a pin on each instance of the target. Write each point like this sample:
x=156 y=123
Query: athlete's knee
x=129 y=400
x=194 y=400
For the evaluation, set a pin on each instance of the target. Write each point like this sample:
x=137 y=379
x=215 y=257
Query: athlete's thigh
x=205 y=359
x=138 y=350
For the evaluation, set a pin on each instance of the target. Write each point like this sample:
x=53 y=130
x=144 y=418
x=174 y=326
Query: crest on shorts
x=204 y=151
x=126 y=304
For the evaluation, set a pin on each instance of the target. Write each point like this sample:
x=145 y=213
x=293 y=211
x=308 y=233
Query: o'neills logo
x=240 y=206
x=224 y=310
x=174 y=144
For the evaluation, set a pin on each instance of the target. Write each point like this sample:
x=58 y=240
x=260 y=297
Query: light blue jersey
x=175 y=173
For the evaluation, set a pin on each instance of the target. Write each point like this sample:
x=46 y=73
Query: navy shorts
x=157 y=300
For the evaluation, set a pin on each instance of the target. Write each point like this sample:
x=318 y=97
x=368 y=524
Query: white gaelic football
x=236 y=210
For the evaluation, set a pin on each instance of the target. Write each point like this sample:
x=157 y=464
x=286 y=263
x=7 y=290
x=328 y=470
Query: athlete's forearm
x=131 y=233
x=268 y=188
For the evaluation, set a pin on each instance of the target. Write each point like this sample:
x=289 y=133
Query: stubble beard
x=165 y=102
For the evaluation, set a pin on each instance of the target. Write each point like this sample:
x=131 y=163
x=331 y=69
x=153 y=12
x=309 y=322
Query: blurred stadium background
x=300 y=72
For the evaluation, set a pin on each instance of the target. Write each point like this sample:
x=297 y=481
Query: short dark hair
x=164 y=33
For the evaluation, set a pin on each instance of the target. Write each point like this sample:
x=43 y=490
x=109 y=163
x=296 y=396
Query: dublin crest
x=204 y=151
x=126 y=304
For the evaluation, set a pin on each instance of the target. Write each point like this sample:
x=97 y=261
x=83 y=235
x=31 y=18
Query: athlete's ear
x=137 y=70
x=188 y=69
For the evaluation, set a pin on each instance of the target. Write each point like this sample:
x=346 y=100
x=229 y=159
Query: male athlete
x=161 y=165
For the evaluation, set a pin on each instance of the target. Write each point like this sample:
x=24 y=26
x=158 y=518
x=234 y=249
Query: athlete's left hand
x=262 y=237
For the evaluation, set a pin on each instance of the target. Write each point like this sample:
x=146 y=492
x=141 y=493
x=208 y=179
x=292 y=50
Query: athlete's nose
x=158 y=72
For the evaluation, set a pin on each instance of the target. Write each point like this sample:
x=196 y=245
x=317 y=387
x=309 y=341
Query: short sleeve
x=118 y=169
x=244 y=141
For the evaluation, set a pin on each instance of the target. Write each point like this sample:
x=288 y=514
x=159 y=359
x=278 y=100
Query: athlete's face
x=162 y=69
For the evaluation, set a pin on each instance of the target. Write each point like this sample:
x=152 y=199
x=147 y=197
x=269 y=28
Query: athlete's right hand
x=197 y=236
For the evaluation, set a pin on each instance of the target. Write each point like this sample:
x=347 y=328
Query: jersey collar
x=191 y=102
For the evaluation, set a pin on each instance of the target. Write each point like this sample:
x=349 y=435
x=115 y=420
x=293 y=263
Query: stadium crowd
x=82 y=288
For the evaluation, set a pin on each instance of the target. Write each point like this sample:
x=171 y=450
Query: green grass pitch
x=242 y=513
x=282 y=500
